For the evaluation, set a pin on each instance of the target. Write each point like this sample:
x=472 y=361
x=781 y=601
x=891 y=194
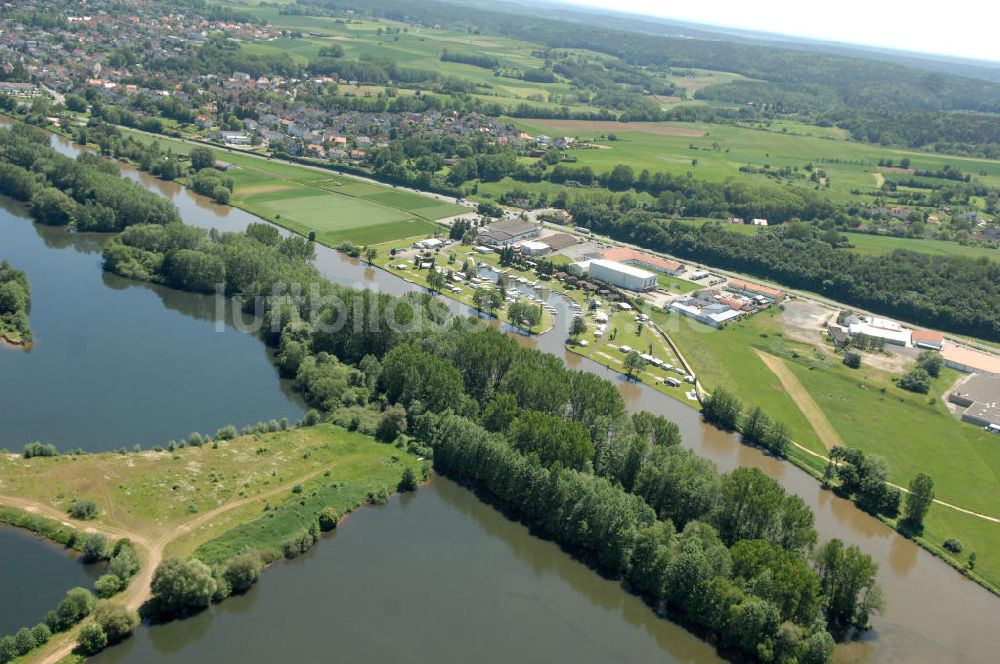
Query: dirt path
x=150 y=552
x=817 y=418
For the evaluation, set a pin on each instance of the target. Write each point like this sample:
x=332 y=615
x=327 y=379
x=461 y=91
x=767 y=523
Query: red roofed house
x=925 y=339
x=650 y=262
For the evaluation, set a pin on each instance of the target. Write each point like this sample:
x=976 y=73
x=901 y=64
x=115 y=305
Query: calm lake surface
x=933 y=614
x=36 y=574
x=117 y=362
x=435 y=576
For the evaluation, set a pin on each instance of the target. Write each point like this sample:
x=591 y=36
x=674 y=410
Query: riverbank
x=203 y=499
x=917 y=611
x=15 y=304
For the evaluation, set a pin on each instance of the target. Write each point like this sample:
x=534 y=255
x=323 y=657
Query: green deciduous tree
x=918 y=501
x=180 y=587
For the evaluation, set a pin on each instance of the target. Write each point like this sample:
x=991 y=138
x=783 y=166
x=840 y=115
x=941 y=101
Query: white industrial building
x=618 y=274
x=879 y=328
x=534 y=248
x=711 y=313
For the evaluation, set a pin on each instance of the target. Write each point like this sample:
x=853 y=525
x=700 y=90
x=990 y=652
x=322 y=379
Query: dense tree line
x=86 y=192
x=953 y=293
x=15 y=304
x=552 y=447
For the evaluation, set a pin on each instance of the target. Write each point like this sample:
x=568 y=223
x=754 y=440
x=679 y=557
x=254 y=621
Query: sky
x=965 y=28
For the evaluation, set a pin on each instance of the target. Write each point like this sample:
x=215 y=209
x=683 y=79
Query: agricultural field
x=720 y=151
x=866 y=410
x=337 y=207
x=419 y=48
x=877 y=245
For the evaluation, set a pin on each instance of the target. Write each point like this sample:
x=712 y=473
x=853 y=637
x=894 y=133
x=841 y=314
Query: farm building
x=979 y=395
x=929 y=340
x=504 y=233
x=741 y=287
x=968 y=360
x=646 y=261
x=618 y=274
x=708 y=312
x=431 y=243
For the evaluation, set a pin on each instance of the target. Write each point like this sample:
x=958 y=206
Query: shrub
x=42 y=633
x=95 y=547
x=953 y=545
x=124 y=562
x=379 y=497
x=83 y=509
x=312 y=418
x=852 y=359
x=92 y=639
x=243 y=571
x=226 y=433
x=408 y=482
x=179 y=586
x=8 y=649
x=297 y=545
x=76 y=606
x=195 y=439
x=328 y=519
x=24 y=641
x=108 y=585
x=115 y=621
x=916 y=380
x=37 y=449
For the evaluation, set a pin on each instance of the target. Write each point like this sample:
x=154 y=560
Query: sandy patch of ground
x=897 y=169
x=605 y=126
x=879 y=179
x=817 y=418
x=262 y=189
x=806 y=321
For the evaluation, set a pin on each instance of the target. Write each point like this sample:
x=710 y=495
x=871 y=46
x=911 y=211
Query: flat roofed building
x=926 y=339
x=534 y=248
x=559 y=241
x=968 y=360
x=746 y=287
x=979 y=394
x=878 y=328
x=621 y=275
x=511 y=231
x=715 y=314
x=643 y=260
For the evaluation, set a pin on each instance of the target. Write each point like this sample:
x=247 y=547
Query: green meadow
x=913 y=432
x=338 y=208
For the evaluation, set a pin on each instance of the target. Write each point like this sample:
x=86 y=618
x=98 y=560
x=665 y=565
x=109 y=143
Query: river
x=933 y=614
